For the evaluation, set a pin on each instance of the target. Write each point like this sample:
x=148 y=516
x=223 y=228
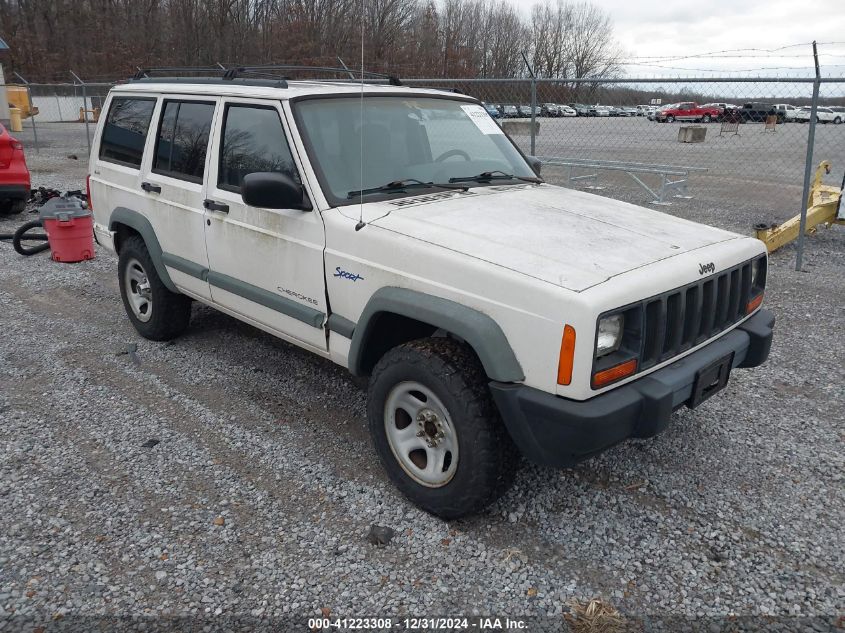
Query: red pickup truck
x=688 y=111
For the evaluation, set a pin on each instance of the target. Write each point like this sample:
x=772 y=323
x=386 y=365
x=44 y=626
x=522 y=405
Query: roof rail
x=239 y=71
x=269 y=71
x=144 y=73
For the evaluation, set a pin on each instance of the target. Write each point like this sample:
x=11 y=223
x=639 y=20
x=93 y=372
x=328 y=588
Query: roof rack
x=144 y=73
x=240 y=71
x=270 y=71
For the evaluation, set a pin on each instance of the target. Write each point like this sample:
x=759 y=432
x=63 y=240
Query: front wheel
x=837 y=120
x=670 y=119
x=436 y=429
x=156 y=313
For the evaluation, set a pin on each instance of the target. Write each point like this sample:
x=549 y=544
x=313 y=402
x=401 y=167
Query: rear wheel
x=436 y=429
x=156 y=313
x=706 y=118
x=837 y=120
x=12 y=207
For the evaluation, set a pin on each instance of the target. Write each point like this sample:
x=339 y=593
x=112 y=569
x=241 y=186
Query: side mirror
x=535 y=164
x=273 y=190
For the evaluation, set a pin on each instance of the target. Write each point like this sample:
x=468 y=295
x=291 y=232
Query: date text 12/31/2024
x=477 y=623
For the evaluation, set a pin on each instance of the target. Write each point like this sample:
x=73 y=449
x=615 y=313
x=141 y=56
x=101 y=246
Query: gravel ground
x=257 y=496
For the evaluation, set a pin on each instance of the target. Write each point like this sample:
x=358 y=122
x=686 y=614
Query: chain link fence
x=753 y=146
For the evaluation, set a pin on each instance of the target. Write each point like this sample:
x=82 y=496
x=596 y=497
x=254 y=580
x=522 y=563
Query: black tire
x=12 y=207
x=169 y=312
x=488 y=459
x=670 y=119
x=837 y=120
x=706 y=118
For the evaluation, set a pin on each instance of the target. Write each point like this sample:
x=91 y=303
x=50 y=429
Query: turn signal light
x=617 y=372
x=754 y=304
x=567 y=356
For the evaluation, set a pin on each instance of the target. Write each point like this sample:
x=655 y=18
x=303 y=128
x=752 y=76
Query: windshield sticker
x=482 y=120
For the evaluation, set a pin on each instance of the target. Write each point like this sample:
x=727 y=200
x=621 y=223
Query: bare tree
x=458 y=38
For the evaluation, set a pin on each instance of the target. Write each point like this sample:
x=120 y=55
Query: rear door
x=173 y=186
x=118 y=154
x=266 y=265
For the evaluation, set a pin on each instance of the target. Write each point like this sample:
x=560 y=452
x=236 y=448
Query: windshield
x=425 y=139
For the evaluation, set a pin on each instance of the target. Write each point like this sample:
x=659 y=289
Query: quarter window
x=125 y=131
x=253 y=141
x=183 y=139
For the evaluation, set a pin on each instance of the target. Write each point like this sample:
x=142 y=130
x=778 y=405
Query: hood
x=565 y=237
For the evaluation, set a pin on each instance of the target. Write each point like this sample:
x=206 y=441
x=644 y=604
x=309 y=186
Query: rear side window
x=183 y=139
x=126 y=130
x=253 y=141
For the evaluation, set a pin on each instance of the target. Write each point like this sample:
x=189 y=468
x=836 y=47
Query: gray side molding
x=133 y=219
x=479 y=330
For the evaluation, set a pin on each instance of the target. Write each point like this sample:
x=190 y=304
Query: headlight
x=756 y=269
x=610 y=334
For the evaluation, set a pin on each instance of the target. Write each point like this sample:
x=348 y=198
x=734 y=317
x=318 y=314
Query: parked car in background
x=688 y=111
x=627 y=111
x=788 y=110
x=525 y=110
x=550 y=110
x=823 y=115
x=758 y=112
x=839 y=111
x=642 y=110
x=492 y=110
x=723 y=106
x=651 y=113
x=600 y=110
x=510 y=111
x=567 y=111
x=14 y=174
x=580 y=109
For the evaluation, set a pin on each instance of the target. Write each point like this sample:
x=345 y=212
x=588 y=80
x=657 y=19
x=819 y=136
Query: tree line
x=108 y=39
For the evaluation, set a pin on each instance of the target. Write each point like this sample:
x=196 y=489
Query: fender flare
x=479 y=330
x=135 y=220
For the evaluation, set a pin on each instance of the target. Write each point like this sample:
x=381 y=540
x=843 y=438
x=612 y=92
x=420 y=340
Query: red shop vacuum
x=69 y=228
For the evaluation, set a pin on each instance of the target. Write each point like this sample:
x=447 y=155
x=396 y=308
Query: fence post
x=533 y=102
x=31 y=115
x=84 y=110
x=808 y=164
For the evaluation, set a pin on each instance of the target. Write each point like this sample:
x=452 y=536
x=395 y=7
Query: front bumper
x=555 y=431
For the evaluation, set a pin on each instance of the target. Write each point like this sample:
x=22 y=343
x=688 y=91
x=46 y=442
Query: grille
x=688 y=316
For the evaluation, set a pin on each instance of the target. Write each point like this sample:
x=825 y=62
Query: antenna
x=361 y=224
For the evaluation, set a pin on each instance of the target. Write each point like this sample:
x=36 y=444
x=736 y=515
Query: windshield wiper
x=400 y=186
x=487 y=176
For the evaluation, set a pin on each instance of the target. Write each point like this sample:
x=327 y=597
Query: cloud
x=656 y=30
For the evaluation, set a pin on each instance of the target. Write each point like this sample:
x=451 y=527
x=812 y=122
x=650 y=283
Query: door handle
x=150 y=187
x=211 y=205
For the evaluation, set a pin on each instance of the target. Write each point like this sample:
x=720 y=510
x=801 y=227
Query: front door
x=265 y=265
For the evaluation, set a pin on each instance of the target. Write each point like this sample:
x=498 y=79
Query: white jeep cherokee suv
x=400 y=233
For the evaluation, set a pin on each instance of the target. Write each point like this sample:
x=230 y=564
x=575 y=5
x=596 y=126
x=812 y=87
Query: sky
x=651 y=31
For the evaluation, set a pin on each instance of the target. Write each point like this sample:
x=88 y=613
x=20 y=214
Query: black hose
x=18 y=236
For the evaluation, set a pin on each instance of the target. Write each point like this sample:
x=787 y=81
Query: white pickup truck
x=400 y=233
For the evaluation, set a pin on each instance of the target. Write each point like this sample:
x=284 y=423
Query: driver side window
x=253 y=141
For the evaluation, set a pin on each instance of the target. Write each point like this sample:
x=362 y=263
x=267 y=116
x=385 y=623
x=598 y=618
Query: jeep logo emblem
x=707 y=268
